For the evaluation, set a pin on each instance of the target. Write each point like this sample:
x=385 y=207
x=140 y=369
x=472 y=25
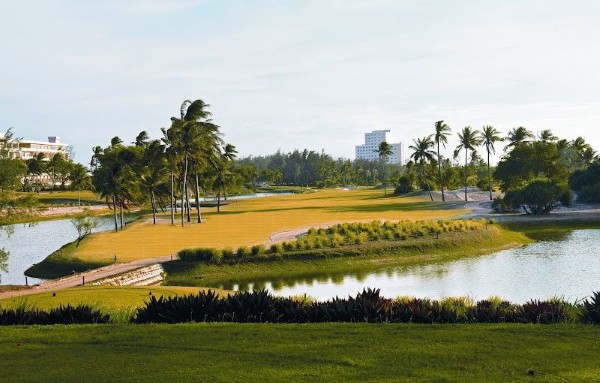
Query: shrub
x=61 y=315
x=404 y=185
x=276 y=248
x=257 y=250
x=589 y=194
x=201 y=254
x=243 y=252
x=591 y=309
x=228 y=254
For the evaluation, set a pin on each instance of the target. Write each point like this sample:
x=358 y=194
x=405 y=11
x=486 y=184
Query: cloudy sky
x=298 y=74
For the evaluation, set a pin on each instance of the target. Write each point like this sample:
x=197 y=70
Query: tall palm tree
x=384 y=151
x=468 y=139
x=488 y=136
x=546 y=135
x=442 y=130
x=79 y=179
x=517 y=136
x=422 y=153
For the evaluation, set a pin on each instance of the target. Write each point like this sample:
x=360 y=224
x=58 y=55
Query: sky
x=298 y=74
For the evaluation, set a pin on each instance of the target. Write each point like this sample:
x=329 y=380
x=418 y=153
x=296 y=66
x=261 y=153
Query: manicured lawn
x=110 y=297
x=68 y=197
x=331 y=352
x=249 y=222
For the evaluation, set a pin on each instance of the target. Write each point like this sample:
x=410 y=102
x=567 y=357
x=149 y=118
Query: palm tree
x=547 y=136
x=468 y=140
x=488 y=136
x=517 y=136
x=442 y=130
x=422 y=153
x=79 y=179
x=223 y=175
x=384 y=151
x=154 y=167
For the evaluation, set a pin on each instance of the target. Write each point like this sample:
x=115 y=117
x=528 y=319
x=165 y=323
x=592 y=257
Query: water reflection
x=30 y=243
x=567 y=267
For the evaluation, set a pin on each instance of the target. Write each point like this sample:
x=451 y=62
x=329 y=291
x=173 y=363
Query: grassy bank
x=337 y=262
x=106 y=298
x=316 y=352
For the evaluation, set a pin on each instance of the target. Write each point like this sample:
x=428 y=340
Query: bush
x=589 y=194
x=591 y=309
x=539 y=197
x=404 y=185
x=243 y=252
x=61 y=315
x=257 y=250
x=201 y=254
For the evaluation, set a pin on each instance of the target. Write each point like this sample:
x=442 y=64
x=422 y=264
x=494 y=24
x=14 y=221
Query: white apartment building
x=26 y=149
x=368 y=150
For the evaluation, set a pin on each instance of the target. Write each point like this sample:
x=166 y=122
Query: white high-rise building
x=368 y=150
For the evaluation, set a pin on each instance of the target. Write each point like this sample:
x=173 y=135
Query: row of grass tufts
x=368 y=306
x=336 y=236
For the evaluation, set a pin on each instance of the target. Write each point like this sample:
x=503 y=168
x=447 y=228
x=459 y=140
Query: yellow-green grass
x=339 y=262
x=108 y=297
x=324 y=352
x=68 y=197
x=249 y=222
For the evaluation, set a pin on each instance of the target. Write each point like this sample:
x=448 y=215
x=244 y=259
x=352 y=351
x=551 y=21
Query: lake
x=566 y=267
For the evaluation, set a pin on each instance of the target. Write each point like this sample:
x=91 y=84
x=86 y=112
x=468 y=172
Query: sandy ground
x=64 y=210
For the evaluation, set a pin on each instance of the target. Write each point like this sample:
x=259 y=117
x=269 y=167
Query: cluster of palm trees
x=470 y=139
x=166 y=172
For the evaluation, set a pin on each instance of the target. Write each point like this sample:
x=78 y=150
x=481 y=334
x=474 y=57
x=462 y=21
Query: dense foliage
x=367 y=306
x=61 y=315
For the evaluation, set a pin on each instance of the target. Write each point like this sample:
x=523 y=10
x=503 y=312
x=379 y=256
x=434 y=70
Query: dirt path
x=90 y=276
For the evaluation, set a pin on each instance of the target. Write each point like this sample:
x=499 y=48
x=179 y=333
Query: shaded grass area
x=552 y=229
x=303 y=266
x=62 y=262
x=68 y=198
x=333 y=352
x=103 y=297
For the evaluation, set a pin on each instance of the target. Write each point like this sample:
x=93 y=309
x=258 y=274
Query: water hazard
x=566 y=267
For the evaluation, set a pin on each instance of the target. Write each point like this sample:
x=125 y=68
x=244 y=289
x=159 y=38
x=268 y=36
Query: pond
x=28 y=244
x=566 y=267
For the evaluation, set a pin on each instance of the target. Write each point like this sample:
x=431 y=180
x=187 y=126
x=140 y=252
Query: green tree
x=488 y=137
x=423 y=153
x=79 y=180
x=517 y=136
x=468 y=139
x=442 y=130
x=84 y=223
x=384 y=151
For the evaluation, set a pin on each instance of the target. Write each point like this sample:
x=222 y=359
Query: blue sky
x=298 y=74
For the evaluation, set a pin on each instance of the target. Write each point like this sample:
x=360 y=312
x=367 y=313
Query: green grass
x=338 y=262
x=68 y=198
x=294 y=353
x=552 y=229
x=106 y=298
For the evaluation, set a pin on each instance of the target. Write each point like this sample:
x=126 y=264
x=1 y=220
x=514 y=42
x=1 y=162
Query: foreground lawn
x=291 y=353
x=250 y=222
x=104 y=297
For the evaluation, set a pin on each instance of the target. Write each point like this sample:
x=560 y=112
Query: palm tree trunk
x=440 y=171
x=183 y=189
x=121 y=213
x=153 y=202
x=466 y=156
x=198 y=197
x=489 y=174
x=218 y=202
x=115 y=212
x=426 y=183
x=79 y=196
x=173 y=203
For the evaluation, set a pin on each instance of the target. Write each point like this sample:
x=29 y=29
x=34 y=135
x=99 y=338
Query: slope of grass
x=332 y=352
x=69 y=197
x=105 y=297
x=338 y=262
x=250 y=222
